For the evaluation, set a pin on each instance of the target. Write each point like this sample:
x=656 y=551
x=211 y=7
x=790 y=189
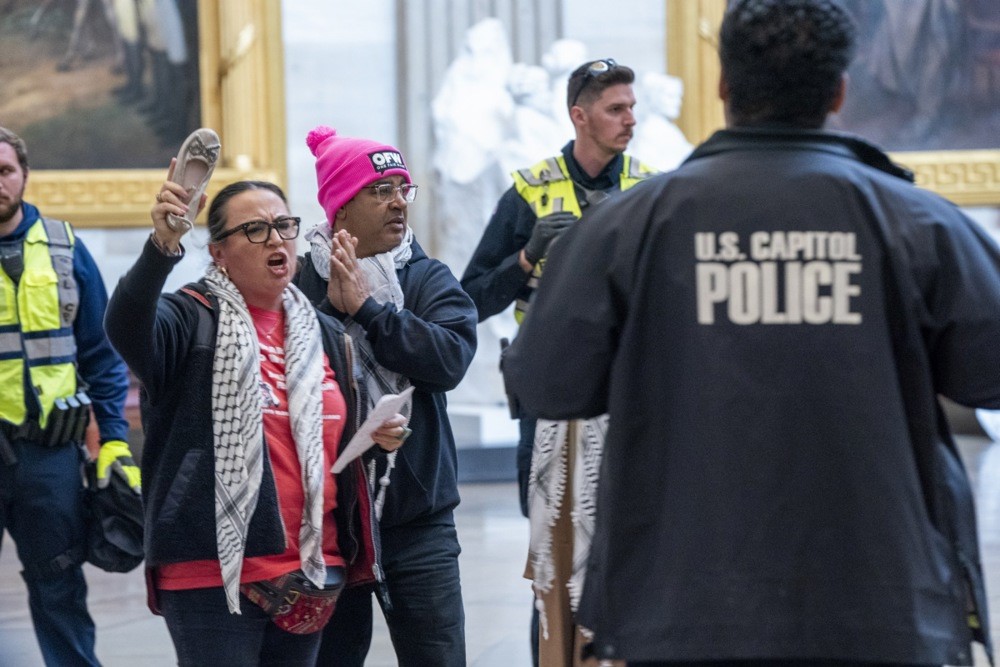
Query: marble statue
x=472 y=114
x=657 y=140
x=534 y=133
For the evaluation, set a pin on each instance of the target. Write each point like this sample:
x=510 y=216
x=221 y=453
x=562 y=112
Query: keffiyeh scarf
x=238 y=432
x=547 y=491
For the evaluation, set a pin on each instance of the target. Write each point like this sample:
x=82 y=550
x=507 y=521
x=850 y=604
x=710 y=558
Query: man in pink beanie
x=413 y=325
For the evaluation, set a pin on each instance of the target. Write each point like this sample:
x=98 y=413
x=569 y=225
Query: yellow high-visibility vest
x=548 y=188
x=36 y=322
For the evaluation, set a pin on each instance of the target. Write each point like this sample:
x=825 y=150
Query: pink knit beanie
x=344 y=165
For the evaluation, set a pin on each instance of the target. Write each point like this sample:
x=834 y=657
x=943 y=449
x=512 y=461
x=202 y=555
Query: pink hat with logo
x=344 y=165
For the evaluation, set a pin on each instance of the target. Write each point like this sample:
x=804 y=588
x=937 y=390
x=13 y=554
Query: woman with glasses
x=247 y=397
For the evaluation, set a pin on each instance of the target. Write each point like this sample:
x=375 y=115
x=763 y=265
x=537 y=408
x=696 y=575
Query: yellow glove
x=115 y=456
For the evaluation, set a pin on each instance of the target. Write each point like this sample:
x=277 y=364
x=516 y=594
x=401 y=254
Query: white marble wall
x=340 y=71
x=630 y=31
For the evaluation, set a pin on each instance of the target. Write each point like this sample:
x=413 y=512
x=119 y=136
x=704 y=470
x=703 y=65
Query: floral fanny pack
x=294 y=603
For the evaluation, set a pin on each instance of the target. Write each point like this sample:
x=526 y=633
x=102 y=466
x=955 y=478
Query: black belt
x=67 y=423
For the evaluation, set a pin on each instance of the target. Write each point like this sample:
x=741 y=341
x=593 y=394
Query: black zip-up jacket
x=769 y=331
x=158 y=337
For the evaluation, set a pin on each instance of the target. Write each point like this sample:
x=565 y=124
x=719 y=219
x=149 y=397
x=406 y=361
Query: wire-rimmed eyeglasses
x=386 y=192
x=259 y=231
x=594 y=70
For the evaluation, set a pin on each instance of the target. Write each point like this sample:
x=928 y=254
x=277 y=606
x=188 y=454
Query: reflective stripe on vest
x=634 y=172
x=36 y=322
x=58 y=347
x=10 y=344
x=548 y=188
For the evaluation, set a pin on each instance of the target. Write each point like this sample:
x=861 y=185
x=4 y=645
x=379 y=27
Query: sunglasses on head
x=594 y=70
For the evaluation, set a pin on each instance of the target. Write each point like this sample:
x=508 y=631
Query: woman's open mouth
x=278 y=263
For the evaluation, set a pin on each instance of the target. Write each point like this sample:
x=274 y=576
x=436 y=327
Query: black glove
x=546 y=231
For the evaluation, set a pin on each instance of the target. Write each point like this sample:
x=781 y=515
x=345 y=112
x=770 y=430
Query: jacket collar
x=418 y=252
x=607 y=179
x=784 y=138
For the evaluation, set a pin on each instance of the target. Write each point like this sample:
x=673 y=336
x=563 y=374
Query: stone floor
x=497 y=599
x=494 y=539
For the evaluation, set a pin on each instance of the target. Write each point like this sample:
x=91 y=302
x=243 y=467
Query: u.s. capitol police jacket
x=769 y=329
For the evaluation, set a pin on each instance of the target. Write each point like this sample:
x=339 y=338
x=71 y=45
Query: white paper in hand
x=362 y=441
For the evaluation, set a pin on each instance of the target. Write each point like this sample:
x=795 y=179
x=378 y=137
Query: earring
x=224 y=271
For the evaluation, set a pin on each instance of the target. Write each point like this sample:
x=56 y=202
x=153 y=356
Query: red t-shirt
x=284 y=459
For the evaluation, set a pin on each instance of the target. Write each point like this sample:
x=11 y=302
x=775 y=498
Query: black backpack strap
x=205 y=333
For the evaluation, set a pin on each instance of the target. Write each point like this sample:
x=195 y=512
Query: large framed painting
x=104 y=92
x=925 y=85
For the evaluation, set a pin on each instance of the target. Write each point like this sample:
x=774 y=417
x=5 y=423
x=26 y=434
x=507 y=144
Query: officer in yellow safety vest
x=56 y=366
x=545 y=200
x=554 y=199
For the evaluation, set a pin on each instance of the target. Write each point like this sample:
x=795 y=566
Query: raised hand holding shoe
x=195 y=163
x=171 y=200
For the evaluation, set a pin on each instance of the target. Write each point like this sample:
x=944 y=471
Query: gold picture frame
x=242 y=98
x=966 y=177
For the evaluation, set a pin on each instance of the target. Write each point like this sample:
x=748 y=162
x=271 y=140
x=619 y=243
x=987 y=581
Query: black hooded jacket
x=431 y=341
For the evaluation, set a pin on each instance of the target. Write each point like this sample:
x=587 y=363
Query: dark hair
x=216 y=212
x=8 y=137
x=584 y=88
x=782 y=60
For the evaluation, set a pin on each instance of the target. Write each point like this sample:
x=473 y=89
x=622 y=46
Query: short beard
x=7 y=213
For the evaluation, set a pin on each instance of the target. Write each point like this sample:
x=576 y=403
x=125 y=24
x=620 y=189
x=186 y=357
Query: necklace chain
x=269 y=332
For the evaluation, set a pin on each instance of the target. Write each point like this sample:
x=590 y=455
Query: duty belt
x=67 y=423
x=29 y=430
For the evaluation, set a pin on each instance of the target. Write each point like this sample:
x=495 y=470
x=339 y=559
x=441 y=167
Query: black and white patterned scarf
x=547 y=492
x=238 y=431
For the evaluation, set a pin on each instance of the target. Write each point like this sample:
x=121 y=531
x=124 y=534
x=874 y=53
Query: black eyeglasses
x=259 y=231
x=594 y=70
x=386 y=192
